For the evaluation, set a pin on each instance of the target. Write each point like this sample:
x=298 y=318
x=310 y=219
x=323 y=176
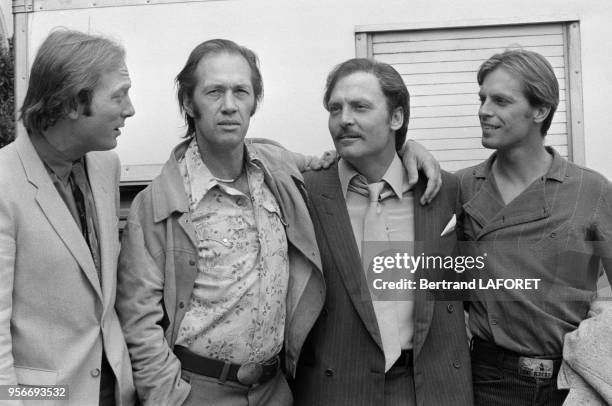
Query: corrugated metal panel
x=439 y=67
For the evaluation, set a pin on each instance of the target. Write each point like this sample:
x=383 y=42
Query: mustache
x=348 y=133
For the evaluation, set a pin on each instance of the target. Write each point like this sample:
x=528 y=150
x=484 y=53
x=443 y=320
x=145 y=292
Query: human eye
x=242 y=92
x=333 y=108
x=502 y=101
x=119 y=96
x=360 y=106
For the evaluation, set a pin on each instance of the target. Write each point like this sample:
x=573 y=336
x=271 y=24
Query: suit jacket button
x=181 y=305
x=450 y=308
x=95 y=372
x=329 y=372
x=457 y=364
x=192 y=262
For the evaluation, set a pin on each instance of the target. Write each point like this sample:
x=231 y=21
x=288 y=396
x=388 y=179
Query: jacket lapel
x=56 y=211
x=102 y=188
x=294 y=211
x=424 y=232
x=335 y=221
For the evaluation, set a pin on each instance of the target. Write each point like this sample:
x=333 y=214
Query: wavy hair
x=64 y=75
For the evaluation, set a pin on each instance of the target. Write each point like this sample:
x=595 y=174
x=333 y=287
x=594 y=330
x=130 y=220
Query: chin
x=108 y=146
x=346 y=154
x=348 y=151
x=488 y=143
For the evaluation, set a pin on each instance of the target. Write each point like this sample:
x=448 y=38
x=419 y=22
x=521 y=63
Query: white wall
x=298 y=42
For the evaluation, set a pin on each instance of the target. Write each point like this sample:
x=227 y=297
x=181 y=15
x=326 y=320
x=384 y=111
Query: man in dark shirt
x=537 y=216
x=58 y=225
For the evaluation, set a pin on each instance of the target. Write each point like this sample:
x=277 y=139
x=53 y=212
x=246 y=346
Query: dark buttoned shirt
x=558 y=230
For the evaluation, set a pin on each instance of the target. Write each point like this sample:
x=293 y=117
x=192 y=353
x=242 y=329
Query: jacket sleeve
x=603 y=227
x=276 y=151
x=588 y=352
x=580 y=392
x=140 y=287
x=7 y=277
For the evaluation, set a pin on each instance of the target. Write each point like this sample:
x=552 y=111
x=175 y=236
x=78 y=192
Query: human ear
x=397 y=118
x=188 y=106
x=540 y=114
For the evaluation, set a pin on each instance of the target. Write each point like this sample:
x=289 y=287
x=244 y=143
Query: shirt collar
x=395 y=176
x=201 y=180
x=555 y=172
x=56 y=161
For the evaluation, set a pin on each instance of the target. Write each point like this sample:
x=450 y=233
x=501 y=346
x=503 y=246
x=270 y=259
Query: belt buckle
x=535 y=367
x=249 y=373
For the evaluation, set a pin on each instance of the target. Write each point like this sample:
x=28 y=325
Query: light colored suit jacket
x=56 y=316
x=342 y=362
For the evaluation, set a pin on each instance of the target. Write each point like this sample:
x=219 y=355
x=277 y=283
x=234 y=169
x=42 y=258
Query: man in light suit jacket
x=362 y=352
x=58 y=226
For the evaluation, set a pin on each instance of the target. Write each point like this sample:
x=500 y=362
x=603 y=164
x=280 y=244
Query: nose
x=229 y=103
x=484 y=109
x=128 y=111
x=346 y=117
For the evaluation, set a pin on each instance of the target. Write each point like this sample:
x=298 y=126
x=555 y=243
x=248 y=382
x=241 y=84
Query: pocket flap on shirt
x=35 y=377
x=271 y=206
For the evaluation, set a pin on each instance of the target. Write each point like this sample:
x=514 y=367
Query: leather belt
x=247 y=374
x=534 y=367
x=405 y=359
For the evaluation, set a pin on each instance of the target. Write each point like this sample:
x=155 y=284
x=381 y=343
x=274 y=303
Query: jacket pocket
x=35 y=377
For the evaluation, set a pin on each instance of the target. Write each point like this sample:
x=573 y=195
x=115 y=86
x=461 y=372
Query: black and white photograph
x=302 y=202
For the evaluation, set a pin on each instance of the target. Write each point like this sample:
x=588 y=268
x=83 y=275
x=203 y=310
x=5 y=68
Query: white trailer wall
x=298 y=42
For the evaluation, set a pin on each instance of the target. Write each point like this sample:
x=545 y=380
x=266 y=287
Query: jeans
x=497 y=385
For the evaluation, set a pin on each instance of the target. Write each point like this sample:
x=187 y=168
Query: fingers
x=328 y=158
x=314 y=164
x=432 y=171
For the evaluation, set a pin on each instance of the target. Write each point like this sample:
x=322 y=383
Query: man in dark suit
x=360 y=351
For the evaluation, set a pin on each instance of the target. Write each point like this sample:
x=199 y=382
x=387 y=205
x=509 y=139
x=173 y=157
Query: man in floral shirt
x=219 y=266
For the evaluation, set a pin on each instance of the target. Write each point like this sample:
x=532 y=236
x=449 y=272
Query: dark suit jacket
x=342 y=362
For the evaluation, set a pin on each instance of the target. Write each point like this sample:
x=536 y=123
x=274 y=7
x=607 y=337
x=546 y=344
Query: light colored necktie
x=375 y=229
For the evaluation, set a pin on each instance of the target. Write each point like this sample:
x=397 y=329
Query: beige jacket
x=55 y=314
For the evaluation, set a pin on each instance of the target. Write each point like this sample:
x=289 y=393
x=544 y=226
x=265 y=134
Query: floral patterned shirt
x=237 y=308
